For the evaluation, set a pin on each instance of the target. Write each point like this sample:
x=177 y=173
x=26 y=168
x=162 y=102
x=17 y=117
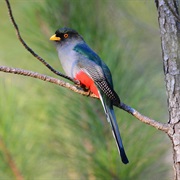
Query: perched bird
x=80 y=62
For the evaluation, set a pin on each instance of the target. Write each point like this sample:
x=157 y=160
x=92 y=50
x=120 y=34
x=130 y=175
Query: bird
x=83 y=64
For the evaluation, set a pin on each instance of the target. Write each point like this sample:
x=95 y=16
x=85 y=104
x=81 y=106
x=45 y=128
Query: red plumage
x=87 y=82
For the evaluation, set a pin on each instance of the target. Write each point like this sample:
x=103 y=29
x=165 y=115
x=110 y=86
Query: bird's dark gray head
x=65 y=30
x=65 y=34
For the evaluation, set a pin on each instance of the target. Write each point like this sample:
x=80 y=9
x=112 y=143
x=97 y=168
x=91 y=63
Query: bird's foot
x=76 y=82
x=84 y=88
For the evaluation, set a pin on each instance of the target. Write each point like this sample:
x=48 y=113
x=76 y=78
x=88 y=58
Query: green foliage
x=53 y=133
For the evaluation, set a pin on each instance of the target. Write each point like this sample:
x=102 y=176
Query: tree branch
x=163 y=127
x=30 y=50
x=43 y=77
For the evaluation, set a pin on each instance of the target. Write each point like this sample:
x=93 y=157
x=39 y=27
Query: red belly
x=87 y=81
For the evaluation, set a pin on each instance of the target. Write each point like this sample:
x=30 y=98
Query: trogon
x=81 y=63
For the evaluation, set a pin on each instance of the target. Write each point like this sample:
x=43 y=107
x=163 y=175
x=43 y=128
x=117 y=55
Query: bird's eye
x=66 y=35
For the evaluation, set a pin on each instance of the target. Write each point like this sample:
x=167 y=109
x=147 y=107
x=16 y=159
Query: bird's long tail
x=108 y=108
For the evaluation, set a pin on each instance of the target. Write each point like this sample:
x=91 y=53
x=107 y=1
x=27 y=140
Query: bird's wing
x=91 y=64
x=86 y=52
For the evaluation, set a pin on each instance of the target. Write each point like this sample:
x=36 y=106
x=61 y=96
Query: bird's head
x=64 y=35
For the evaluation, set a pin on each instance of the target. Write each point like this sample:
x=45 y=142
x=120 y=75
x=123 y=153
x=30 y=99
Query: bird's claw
x=76 y=82
x=84 y=88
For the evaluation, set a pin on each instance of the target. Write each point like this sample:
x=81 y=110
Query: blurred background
x=53 y=133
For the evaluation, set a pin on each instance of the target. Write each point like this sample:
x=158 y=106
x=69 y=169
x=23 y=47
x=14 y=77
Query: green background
x=53 y=133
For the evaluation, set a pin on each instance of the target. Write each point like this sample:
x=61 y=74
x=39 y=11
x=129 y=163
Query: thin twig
x=161 y=126
x=130 y=110
x=30 y=50
x=43 y=77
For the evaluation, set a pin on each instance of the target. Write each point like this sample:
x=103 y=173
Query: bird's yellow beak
x=54 y=38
